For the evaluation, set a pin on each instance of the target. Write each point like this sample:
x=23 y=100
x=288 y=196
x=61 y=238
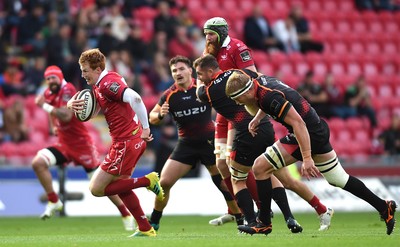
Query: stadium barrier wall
x=197 y=196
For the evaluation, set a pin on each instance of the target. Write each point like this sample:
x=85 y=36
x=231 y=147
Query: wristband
x=159 y=116
x=47 y=107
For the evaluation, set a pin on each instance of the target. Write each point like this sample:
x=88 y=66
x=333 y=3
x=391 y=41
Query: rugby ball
x=89 y=106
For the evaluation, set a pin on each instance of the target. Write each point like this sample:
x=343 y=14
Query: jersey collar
x=103 y=73
x=226 y=41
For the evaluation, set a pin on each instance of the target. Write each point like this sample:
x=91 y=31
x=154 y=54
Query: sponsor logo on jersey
x=114 y=87
x=186 y=97
x=189 y=112
x=245 y=56
x=224 y=56
x=275 y=106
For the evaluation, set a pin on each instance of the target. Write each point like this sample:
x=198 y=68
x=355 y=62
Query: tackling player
x=232 y=53
x=307 y=141
x=247 y=148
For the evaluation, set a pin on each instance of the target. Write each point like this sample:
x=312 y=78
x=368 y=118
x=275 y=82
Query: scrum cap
x=219 y=26
x=54 y=70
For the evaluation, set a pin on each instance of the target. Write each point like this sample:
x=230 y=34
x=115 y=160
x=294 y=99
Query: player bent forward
x=307 y=141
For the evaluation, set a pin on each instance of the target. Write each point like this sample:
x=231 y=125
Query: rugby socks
x=245 y=202
x=52 y=197
x=279 y=196
x=125 y=185
x=358 y=188
x=252 y=186
x=317 y=205
x=123 y=210
x=264 y=188
x=228 y=183
x=131 y=201
x=156 y=216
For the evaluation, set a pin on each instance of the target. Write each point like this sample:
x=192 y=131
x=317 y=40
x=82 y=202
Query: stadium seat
x=260 y=57
x=266 y=68
x=337 y=68
x=336 y=124
x=356 y=47
x=389 y=48
x=319 y=68
x=146 y=13
x=346 y=6
x=370 y=69
x=359 y=27
x=391 y=27
x=355 y=124
x=301 y=68
x=354 y=68
x=286 y=68
x=376 y=27
x=343 y=26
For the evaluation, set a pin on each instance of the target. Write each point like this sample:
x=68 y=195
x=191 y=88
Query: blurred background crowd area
x=342 y=55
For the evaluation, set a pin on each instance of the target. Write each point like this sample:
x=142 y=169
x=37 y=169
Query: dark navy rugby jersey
x=193 y=118
x=275 y=98
x=215 y=94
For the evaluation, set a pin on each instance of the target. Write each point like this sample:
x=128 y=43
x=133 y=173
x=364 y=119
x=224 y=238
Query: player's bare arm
x=158 y=113
x=62 y=113
x=308 y=168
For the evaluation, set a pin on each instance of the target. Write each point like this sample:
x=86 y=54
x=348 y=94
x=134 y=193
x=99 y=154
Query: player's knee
x=333 y=172
x=274 y=157
x=259 y=166
x=43 y=159
x=38 y=164
x=96 y=191
x=166 y=184
x=238 y=174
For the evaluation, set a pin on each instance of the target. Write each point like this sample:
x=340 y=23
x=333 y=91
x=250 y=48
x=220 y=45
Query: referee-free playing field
x=347 y=229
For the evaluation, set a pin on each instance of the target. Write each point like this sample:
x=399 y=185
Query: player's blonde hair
x=237 y=84
x=94 y=58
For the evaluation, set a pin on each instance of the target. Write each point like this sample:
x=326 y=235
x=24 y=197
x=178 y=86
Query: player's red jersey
x=123 y=122
x=234 y=54
x=70 y=133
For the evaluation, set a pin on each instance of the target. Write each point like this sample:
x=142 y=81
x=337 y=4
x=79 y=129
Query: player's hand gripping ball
x=89 y=106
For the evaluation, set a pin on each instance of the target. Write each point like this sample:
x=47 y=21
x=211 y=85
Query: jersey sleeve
x=113 y=88
x=243 y=56
x=68 y=92
x=276 y=105
x=202 y=94
x=162 y=99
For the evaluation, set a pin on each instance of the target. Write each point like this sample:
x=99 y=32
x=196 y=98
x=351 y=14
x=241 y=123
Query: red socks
x=317 y=205
x=123 y=210
x=52 y=197
x=252 y=187
x=131 y=201
x=125 y=185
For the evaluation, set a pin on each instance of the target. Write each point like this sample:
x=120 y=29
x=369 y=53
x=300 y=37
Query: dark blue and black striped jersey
x=193 y=118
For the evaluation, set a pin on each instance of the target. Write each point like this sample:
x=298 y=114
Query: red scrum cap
x=54 y=70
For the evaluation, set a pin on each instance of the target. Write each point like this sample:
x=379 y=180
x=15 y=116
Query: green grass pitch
x=347 y=229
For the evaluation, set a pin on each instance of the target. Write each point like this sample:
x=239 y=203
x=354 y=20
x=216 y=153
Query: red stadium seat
x=336 y=124
x=343 y=26
x=389 y=48
x=266 y=68
x=359 y=27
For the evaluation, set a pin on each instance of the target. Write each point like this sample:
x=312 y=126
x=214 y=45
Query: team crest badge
x=245 y=56
x=114 y=87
